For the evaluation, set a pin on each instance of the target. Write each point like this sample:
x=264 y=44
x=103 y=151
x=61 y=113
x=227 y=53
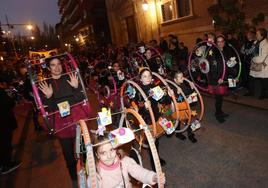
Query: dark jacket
x=63 y=91
x=215 y=66
x=8 y=120
x=153 y=65
x=154 y=104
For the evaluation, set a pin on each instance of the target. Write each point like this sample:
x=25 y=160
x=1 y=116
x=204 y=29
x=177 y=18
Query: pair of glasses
x=220 y=41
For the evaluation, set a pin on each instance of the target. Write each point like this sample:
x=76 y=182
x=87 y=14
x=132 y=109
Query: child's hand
x=191 y=85
x=46 y=89
x=220 y=81
x=73 y=80
x=162 y=178
x=170 y=92
x=179 y=91
x=147 y=104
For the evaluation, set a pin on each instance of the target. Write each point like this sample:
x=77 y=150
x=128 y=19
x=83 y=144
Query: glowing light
x=29 y=27
x=145 y=5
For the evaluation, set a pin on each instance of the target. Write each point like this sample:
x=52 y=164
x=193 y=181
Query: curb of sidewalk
x=242 y=102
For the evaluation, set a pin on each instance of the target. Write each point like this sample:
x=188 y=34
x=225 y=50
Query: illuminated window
x=175 y=9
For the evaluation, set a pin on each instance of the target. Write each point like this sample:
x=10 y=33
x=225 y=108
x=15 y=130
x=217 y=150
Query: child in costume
x=230 y=72
x=146 y=85
x=187 y=90
x=62 y=89
x=118 y=74
x=114 y=171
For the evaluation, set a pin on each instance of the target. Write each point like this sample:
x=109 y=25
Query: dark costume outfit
x=28 y=95
x=62 y=91
x=153 y=65
x=8 y=125
x=146 y=115
x=186 y=88
x=219 y=90
x=118 y=82
x=247 y=52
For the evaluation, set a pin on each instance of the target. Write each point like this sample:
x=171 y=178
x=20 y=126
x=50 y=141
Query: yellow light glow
x=29 y=27
x=145 y=5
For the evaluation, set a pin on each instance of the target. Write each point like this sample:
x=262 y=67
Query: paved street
x=232 y=154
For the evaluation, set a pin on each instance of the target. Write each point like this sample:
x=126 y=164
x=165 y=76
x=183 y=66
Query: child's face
x=179 y=78
x=148 y=54
x=116 y=67
x=220 y=42
x=55 y=67
x=106 y=154
x=146 y=77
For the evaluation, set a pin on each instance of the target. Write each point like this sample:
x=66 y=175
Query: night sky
x=25 y=11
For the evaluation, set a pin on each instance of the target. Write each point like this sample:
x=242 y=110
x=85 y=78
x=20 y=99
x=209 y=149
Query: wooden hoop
x=187 y=104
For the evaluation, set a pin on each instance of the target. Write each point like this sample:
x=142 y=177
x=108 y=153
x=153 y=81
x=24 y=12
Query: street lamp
x=145 y=5
x=29 y=27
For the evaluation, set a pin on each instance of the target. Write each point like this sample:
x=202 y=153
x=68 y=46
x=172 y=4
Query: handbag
x=257 y=67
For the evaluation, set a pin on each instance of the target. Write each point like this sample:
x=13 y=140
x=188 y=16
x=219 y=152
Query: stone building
x=83 y=22
x=141 y=20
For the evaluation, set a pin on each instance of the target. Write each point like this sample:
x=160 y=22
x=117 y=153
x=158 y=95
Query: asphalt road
x=232 y=154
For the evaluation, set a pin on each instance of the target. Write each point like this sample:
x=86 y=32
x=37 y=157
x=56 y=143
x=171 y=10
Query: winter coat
x=263 y=53
x=116 y=175
x=8 y=120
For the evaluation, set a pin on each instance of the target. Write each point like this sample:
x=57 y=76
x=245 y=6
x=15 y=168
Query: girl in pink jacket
x=113 y=171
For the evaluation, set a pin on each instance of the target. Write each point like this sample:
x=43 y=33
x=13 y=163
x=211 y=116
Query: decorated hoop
x=176 y=110
x=191 y=112
x=157 y=130
x=123 y=101
x=200 y=98
x=184 y=109
x=235 y=62
x=91 y=165
x=70 y=66
x=200 y=59
x=142 y=62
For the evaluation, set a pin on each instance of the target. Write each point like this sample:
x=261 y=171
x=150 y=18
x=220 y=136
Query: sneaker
x=180 y=136
x=224 y=115
x=192 y=138
x=195 y=125
x=220 y=119
x=10 y=167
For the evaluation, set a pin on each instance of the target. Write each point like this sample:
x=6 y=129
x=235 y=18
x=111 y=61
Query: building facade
x=83 y=22
x=141 y=20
